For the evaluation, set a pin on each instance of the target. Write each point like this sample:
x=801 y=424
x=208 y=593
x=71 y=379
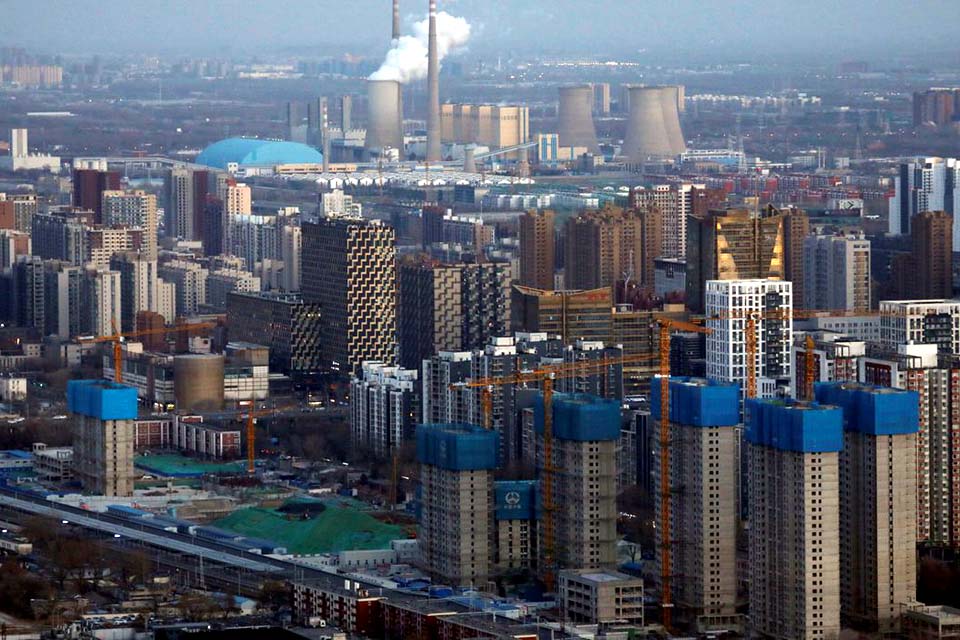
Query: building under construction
x=456 y=533
x=703 y=466
x=582 y=472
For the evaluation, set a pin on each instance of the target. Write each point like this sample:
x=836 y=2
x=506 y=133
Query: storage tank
x=575 y=118
x=384 y=117
x=198 y=382
x=653 y=126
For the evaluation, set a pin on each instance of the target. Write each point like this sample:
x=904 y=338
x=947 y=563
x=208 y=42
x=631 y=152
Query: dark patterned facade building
x=450 y=307
x=349 y=269
x=285 y=323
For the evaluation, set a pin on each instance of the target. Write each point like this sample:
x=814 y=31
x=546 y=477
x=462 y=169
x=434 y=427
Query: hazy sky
x=729 y=28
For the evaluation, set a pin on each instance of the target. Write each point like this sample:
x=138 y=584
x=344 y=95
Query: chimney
x=384 y=119
x=433 y=90
x=396 y=19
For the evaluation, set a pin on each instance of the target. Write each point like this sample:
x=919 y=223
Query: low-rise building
x=601 y=597
x=52 y=464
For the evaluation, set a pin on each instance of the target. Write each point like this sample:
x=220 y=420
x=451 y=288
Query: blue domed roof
x=251 y=151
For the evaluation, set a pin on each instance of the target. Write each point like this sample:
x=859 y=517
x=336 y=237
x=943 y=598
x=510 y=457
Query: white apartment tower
x=921 y=322
x=731 y=307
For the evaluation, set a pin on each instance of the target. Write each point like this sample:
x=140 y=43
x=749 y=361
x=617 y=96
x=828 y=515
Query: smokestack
x=324 y=134
x=396 y=19
x=653 y=126
x=575 y=118
x=384 y=119
x=433 y=89
x=346 y=114
x=469 y=162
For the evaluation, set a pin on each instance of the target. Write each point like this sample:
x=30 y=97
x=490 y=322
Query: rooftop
x=253 y=151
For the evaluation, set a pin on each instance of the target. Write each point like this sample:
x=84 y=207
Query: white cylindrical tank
x=384 y=118
x=575 y=118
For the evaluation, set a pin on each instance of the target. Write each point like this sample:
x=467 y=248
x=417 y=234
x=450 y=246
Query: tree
x=273 y=595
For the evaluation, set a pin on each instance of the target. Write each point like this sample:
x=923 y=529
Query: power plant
x=384 y=117
x=575 y=116
x=433 y=89
x=653 y=126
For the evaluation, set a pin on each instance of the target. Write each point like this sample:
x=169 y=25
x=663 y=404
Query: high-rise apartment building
x=104 y=418
x=450 y=307
x=878 y=502
x=142 y=289
x=22 y=206
x=612 y=244
x=190 y=282
x=583 y=479
x=516 y=524
x=904 y=322
x=836 y=273
x=926 y=184
x=794 y=513
x=133 y=209
x=537 y=247
x=383 y=407
x=221 y=282
x=349 y=267
x=441 y=401
x=61 y=235
x=936 y=106
x=572 y=315
x=732 y=306
x=101 y=291
x=796 y=228
x=456 y=532
x=27 y=299
x=63 y=306
x=676 y=204
x=932 y=267
x=735 y=244
x=703 y=499
x=601 y=98
x=185 y=202
x=89 y=185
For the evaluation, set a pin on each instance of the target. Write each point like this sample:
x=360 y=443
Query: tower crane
x=117 y=338
x=751 y=318
x=249 y=417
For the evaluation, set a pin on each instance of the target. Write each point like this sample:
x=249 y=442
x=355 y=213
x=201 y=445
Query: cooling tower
x=575 y=115
x=433 y=89
x=384 y=119
x=653 y=126
x=670 y=103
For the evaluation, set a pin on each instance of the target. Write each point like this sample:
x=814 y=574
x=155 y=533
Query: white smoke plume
x=407 y=59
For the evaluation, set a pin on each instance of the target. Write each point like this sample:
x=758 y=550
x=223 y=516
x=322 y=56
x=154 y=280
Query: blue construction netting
x=457 y=447
x=806 y=427
x=515 y=499
x=877 y=411
x=699 y=402
x=580 y=417
x=102 y=399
